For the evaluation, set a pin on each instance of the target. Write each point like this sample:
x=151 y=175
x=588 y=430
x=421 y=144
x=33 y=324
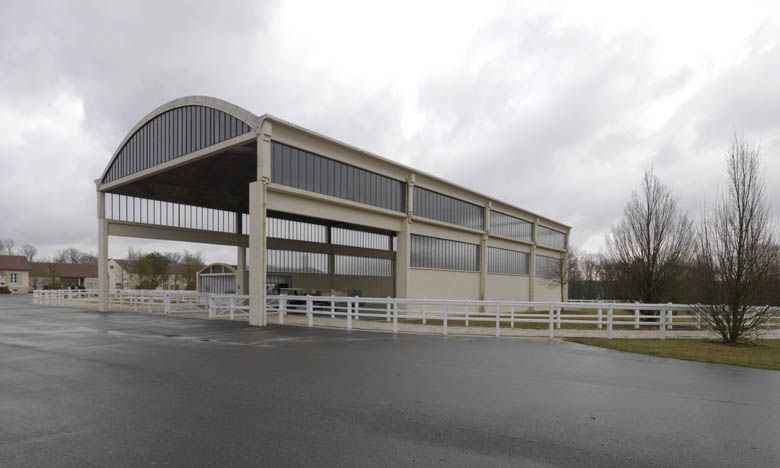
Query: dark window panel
x=329 y=177
x=447 y=209
x=432 y=252
x=507 y=261
x=547 y=267
x=550 y=237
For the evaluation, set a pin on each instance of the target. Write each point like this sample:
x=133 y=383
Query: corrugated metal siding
x=507 y=261
x=550 y=238
x=218 y=284
x=443 y=254
x=308 y=171
x=434 y=205
x=547 y=267
x=171 y=135
x=505 y=225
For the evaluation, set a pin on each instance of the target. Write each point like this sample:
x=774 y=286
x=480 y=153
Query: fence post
x=387 y=314
x=282 y=308
x=167 y=303
x=212 y=312
x=599 y=319
x=395 y=317
x=445 y=320
x=636 y=318
x=662 y=323
x=424 y=313
x=309 y=311
x=332 y=306
x=349 y=314
x=356 y=308
x=551 y=318
x=498 y=318
x=559 y=316
x=609 y=323
x=232 y=307
x=512 y=318
x=698 y=320
x=467 y=315
x=670 y=317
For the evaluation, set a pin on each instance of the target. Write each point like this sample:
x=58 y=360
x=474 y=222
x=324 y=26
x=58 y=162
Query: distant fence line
x=432 y=312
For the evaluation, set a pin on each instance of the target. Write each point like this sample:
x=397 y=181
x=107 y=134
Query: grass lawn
x=763 y=355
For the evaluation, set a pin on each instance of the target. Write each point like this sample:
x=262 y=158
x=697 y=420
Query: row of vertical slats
x=171 y=135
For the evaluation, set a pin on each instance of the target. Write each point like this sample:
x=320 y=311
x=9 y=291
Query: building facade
x=14 y=274
x=317 y=214
x=48 y=275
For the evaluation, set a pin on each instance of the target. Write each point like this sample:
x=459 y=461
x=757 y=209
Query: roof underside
x=220 y=181
x=172 y=134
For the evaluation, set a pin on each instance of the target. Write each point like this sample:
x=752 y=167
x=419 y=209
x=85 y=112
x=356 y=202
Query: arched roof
x=231 y=269
x=209 y=119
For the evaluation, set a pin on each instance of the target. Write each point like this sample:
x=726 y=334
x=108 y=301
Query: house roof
x=14 y=262
x=65 y=270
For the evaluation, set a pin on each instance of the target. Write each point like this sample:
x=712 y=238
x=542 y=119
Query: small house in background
x=14 y=274
x=49 y=275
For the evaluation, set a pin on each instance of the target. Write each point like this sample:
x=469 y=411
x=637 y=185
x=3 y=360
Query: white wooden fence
x=434 y=312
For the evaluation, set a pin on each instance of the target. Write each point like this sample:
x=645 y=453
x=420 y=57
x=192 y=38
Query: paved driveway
x=80 y=388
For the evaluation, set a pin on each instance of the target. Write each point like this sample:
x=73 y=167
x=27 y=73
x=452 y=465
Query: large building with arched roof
x=317 y=214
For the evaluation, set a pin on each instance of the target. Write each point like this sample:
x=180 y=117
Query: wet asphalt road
x=81 y=389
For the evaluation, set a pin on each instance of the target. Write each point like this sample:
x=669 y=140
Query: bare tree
x=74 y=255
x=651 y=244
x=585 y=282
x=738 y=257
x=6 y=247
x=192 y=263
x=29 y=251
x=565 y=273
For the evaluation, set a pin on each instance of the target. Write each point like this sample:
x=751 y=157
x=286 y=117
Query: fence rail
x=500 y=315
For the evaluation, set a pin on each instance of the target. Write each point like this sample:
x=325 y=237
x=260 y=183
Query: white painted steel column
x=240 y=258
x=257 y=220
x=483 y=263
x=532 y=264
x=403 y=257
x=257 y=246
x=241 y=271
x=102 y=251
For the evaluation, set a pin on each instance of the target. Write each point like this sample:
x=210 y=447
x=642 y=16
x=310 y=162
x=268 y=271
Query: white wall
x=506 y=287
x=441 y=284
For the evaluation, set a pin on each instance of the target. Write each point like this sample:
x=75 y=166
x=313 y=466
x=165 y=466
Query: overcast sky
x=554 y=107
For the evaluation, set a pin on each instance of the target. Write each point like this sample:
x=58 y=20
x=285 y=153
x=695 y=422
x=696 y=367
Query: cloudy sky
x=556 y=107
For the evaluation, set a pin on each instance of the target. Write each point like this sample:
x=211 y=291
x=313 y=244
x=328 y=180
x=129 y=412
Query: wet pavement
x=80 y=388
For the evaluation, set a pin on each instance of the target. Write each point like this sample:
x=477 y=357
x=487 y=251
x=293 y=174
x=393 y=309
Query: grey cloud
x=546 y=120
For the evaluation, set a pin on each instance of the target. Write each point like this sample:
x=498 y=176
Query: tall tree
x=6 y=247
x=565 y=273
x=74 y=255
x=192 y=263
x=738 y=256
x=29 y=251
x=152 y=270
x=651 y=244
